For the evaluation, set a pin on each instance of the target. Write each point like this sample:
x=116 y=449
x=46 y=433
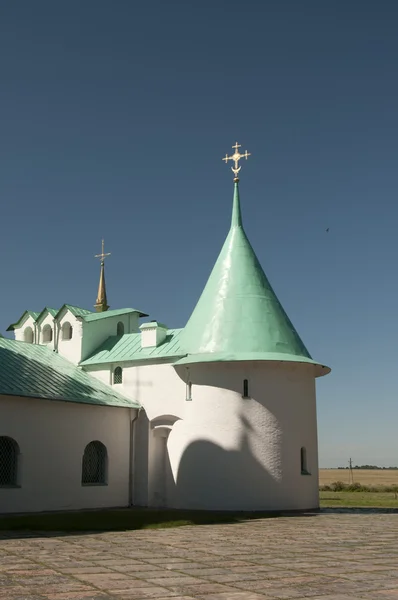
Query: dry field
x=371 y=477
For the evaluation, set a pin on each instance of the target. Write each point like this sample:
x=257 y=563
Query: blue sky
x=115 y=117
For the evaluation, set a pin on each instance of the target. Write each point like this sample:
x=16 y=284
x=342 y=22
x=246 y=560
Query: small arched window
x=95 y=464
x=47 y=335
x=245 y=388
x=118 y=375
x=28 y=335
x=120 y=328
x=303 y=460
x=67 y=331
x=9 y=453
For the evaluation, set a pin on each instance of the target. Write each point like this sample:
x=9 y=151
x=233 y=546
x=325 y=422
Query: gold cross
x=102 y=256
x=236 y=156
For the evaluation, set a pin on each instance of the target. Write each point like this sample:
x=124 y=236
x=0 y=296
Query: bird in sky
x=327 y=230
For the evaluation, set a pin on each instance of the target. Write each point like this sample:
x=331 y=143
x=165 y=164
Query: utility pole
x=351 y=474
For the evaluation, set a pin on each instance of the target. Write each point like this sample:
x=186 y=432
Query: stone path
x=325 y=557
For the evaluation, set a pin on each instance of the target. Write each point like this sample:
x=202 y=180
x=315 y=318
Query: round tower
x=248 y=439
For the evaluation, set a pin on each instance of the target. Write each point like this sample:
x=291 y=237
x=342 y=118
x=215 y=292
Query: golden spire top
x=102 y=256
x=101 y=304
x=236 y=156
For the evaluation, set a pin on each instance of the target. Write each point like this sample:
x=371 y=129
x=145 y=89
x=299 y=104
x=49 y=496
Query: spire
x=101 y=304
x=238 y=316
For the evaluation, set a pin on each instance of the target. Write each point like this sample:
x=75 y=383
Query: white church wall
x=235 y=453
x=52 y=437
x=96 y=332
x=157 y=387
x=69 y=349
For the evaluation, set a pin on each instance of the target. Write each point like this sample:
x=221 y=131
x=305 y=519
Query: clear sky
x=114 y=120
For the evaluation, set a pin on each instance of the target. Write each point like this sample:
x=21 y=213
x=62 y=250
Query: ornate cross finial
x=236 y=158
x=102 y=256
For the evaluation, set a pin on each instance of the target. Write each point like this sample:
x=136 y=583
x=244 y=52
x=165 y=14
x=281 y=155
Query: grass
x=358 y=499
x=122 y=519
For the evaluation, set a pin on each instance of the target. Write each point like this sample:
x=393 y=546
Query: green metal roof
x=75 y=310
x=27 y=313
x=128 y=348
x=238 y=314
x=51 y=311
x=111 y=313
x=34 y=371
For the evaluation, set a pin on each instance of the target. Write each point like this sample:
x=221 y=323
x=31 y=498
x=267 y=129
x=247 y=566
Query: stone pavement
x=325 y=557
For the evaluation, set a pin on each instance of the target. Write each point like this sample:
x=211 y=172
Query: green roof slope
x=111 y=313
x=238 y=316
x=128 y=348
x=34 y=371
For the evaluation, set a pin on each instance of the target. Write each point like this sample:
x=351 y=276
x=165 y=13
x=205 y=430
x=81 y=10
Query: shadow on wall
x=210 y=477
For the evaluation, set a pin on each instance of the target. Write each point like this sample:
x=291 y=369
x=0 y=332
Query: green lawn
x=128 y=519
x=359 y=499
x=122 y=519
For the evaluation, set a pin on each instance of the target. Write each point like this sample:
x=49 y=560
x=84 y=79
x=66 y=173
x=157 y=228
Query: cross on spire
x=101 y=304
x=236 y=156
x=102 y=256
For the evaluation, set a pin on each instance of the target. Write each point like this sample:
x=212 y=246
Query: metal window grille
x=120 y=328
x=118 y=375
x=94 y=463
x=8 y=461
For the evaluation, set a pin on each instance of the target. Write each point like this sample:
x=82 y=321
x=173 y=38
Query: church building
x=107 y=408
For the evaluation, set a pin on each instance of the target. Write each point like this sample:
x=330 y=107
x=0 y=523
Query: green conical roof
x=238 y=316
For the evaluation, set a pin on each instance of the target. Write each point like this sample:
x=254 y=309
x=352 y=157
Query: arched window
x=120 y=328
x=303 y=460
x=94 y=466
x=67 y=331
x=47 y=335
x=28 y=335
x=9 y=452
x=118 y=375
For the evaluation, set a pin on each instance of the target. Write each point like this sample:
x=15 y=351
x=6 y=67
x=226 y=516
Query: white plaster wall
x=157 y=387
x=96 y=332
x=19 y=333
x=229 y=452
x=225 y=451
x=48 y=320
x=70 y=349
x=52 y=437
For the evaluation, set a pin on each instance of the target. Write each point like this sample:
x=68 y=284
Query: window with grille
x=28 y=335
x=67 y=331
x=47 y=334
x=120 y=328
x=94 y=467
x=118 y=375
x=9 y=452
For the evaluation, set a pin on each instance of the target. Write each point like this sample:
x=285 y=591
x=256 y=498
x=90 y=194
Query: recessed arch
x=66 y=331
x=120 y=328
x=95 y=464
x=47 y=334
x=9 y=455
x=28 y=335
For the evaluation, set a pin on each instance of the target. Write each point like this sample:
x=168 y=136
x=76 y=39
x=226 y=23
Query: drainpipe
x=132 y=454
